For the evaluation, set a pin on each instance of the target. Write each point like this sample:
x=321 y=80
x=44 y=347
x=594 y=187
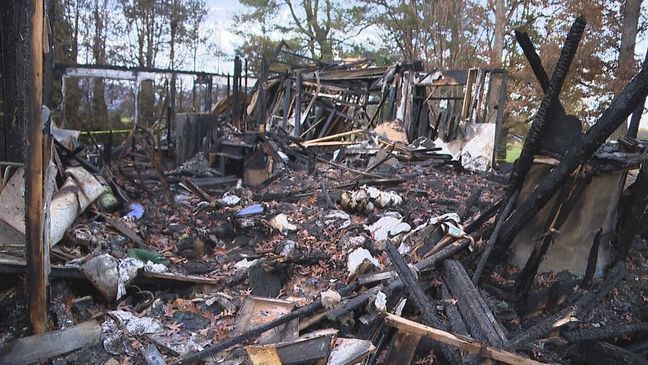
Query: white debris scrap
x=229 y=199
x=128 y=268
x=281 y=223
x=330 y=298
x=336 y=215
x=357 y=257
x=137 y=326
x=381 y=302
x=245 y=264
x=367 y=197
x=388 y=226
x=450 y=223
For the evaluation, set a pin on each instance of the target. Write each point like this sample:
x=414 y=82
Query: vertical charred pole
x=171 y=116
x=286 y=103
x=236 y=100
x=633 y=128
x=298 y=101
x=35 y=244
x=534 y=136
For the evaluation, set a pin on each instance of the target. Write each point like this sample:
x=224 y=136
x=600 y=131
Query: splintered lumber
x=333 y=137
x=583 y=305
x=236 y=340
x=537 y=130
x=463 y=344
x=41 y=347
x=473 y=308
x=618 y=111
x=433 y=260
x=351 y=304
x=599 y=352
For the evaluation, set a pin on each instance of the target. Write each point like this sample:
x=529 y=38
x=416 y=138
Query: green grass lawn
x=513 y=151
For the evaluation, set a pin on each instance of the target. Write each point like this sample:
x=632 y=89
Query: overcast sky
x=220 y=14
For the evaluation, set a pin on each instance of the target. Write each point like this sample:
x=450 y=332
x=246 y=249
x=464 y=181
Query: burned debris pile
x=344 y=214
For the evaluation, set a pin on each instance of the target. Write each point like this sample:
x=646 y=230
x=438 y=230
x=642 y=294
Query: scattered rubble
x=328 y=239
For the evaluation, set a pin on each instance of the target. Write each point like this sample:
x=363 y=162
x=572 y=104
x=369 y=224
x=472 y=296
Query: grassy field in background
x=513 y=151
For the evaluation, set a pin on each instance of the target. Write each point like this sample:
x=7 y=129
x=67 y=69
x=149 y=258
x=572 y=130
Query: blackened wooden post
x=286 y=102
x=171 y=118
x=298 y=101
x=35 y=244
x=14 y=46
x=236 y=96
x=208 y=95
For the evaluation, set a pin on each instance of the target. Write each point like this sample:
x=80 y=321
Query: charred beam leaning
x=480 y=319
x=622 y=106
x=534 y=136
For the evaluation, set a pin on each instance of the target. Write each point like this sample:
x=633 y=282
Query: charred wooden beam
x=422 y=303
x=534 y=136
x=621 y=107
x=596 y=353
x=480 y=319
x=592 y=260
x=457 y=324
x=413 y=288
x=609 y=331
x=534 y=60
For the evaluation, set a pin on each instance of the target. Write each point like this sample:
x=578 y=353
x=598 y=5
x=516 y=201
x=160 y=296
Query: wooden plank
x=37 y=254
x=456 y=341
x=123 y=229
x=402 y=349
x=41 y=347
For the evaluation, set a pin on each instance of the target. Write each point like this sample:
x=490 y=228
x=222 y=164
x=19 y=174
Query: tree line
x=444 y=34
x=460 y=34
